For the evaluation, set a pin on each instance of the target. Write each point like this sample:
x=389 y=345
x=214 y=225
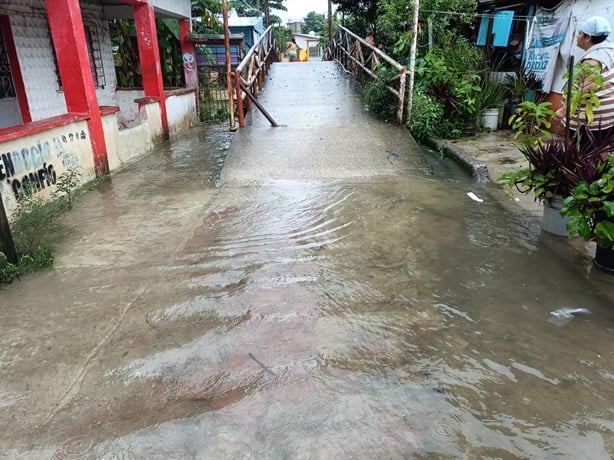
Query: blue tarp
x=501 y=28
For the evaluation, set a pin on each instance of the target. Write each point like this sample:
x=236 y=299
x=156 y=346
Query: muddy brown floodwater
x=385 y=317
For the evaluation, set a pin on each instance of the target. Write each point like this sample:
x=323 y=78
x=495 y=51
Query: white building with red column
x=60 y=106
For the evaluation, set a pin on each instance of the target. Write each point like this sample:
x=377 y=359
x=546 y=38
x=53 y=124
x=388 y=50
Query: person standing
x=598 y=51
x=292 y=50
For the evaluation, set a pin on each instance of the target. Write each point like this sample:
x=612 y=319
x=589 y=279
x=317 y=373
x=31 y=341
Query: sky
x=298 y=9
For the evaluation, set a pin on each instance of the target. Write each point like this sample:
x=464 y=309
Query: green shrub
x=428 y=120
x=66 y=184
x=378 y=98
x=426 y=116
x=34 y=223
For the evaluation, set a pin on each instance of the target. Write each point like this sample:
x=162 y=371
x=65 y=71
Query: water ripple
x=76 y=447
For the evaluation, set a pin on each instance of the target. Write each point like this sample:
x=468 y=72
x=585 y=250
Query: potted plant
x=531 y=122
x=516 y=86
x=557 y=166
x=489 y=98
x=590 y=212
x=466 y=92
x=533 y=84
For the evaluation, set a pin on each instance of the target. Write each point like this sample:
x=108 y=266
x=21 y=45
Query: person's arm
x=588 y=84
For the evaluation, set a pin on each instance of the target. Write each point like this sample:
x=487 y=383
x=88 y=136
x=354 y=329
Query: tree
x=250 y=7
x=314 y=22
x=390 y=21
x=204 y=16
x=359 y=16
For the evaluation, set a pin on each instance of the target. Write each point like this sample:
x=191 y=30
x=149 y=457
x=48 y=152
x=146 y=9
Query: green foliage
x=428 y=119
x=34 y=220
x=449 y=20
x=171 y=58
x=32 y=227
x=27 y=263
x=590 y=208
x=359 y=16
x=587 y=80
x=526 y=180
x=449 y=63
x=8 y=271
x=283 y=35
x=66 y=183
x=575 y=169
x=531 y=122
x=314 y=22
x=204 y=16
x=380 y=101
x=250 y=7
x=126 y=56
x=467 y=91
x=213 y=113
x=491 y=93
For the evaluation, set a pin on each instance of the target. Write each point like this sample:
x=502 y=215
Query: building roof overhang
x=164 y=9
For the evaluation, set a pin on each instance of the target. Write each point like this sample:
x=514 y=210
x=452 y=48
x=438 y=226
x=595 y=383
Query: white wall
x=34 y=50
x=128 y=144
x=181 y=112
x=44 y=156
x=129 y=110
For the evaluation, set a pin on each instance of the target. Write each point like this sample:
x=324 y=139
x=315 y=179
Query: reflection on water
x=386 y=318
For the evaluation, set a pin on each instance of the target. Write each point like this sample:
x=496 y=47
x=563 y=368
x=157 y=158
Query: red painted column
x=70 y=46
x=147 y=39
x=20 y=88
x=190 y=71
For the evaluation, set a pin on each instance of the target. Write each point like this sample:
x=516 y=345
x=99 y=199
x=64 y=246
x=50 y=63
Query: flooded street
x=366 y=317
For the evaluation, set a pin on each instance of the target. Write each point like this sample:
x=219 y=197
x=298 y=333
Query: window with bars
x=92 y=39
x=94 y=52
x=7 y=88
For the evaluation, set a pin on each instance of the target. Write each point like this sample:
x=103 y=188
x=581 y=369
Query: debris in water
x=567 y=313
x=262 y=365
x=474 y=197
x=564 y=315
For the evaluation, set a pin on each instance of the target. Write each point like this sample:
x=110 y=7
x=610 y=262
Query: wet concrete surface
x=324 y=132
x=331 y=292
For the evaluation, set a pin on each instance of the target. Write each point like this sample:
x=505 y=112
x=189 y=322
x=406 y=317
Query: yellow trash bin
x=303 y=55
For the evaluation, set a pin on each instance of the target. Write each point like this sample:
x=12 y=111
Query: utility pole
x=412 y=60
x=330 y=20
x=231 y=104
x=266 y=14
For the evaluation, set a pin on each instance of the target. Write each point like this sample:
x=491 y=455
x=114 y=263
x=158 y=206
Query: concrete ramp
x=324 y=133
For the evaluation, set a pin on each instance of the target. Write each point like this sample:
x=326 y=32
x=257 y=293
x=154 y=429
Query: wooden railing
x=362 y=59
x=250 y=74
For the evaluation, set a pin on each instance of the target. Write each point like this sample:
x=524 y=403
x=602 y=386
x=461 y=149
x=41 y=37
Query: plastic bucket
x=490 y=119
